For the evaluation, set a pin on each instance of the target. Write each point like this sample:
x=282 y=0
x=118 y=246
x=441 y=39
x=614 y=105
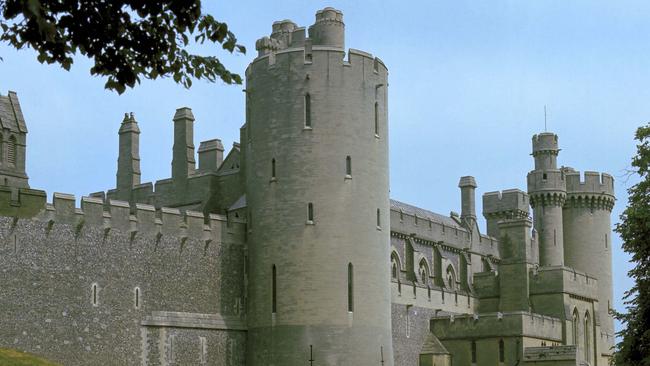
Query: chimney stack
x=183 y=163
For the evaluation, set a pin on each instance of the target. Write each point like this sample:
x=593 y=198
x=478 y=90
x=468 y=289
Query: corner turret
x=329 y=29
x=509 y=204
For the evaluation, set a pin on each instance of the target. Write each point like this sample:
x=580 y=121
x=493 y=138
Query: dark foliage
x=634 y=348
x=126 y=39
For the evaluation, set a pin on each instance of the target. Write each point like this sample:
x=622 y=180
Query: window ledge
x=307 y=128
x=377 y=136
x=378 y=228
x=309 y=222
x=348 y=177
x=273 y=180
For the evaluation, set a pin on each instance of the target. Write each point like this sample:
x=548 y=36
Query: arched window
x=424 y=271
x=451 y=277
x=587 y=337
x=348 y=165
x=575 y=327
x=376 y=118
x=11 y=151
x=307 y=110
x=394 y=265
x=502 y=351
x=350 y=287
x=272 y=168
x=273 y=290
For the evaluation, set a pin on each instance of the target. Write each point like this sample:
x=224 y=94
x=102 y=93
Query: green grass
x=12 y=357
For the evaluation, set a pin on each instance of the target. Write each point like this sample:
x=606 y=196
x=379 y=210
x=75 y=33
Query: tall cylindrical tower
x=588 y=238
x=316 y=155
x=547 y=191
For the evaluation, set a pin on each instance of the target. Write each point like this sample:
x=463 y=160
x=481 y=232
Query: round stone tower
x=588 y=238
x=315 y=146
x=547 y=191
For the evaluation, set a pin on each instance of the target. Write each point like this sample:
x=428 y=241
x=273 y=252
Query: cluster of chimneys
x=183 y=162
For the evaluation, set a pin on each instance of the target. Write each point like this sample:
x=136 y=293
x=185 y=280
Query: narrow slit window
x=376 y=118
x=350 y=287
x=348 y=165
x=378 y=218
x=310 y=211
x=94 y=290
x=473 y=351
x=502 y=351
x=137 y=297
x=272 y=168
x=274 y=295
x=307 y=110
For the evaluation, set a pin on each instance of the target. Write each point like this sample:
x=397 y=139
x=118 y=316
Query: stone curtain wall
x=49 y=265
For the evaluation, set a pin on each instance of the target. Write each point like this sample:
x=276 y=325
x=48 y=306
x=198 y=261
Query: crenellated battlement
x=510 y=203
x=592 y=189
x=589 y=182
x=545 y=142
x=113 y=215
x=314 y=55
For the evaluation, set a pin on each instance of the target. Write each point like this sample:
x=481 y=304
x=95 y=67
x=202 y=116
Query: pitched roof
x=432 y=346
x=11 y=116
x=424 y=214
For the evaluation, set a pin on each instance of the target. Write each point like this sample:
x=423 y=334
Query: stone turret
x=547 y=191
x=509 y=204
x=183 y=163
x=13 y=142
x=329 y=29
x=316 y=151
x=588 y=238
x=128 y=161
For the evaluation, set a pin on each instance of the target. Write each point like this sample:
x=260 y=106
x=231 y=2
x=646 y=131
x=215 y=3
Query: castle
x=288 y=250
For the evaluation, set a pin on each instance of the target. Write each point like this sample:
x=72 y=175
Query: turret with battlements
x=317 y=155
x=547 y=191
x=588 y=238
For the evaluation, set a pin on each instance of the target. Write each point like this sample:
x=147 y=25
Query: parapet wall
x=548 y=280
x=511 y=202
x=590 y=183
x=497 y=325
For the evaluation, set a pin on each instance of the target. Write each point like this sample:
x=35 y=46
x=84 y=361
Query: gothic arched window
x=394 y=266
x=451 y=277
x=424 y=271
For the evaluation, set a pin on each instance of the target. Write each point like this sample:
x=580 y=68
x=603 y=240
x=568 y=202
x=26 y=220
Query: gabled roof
x=432 y=346
x=11 y=116
x=423 y=214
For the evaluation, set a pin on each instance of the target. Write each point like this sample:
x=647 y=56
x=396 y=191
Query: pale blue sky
x=468 y=84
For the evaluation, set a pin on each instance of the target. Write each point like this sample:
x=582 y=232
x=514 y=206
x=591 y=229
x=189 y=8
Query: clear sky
x=468 y=85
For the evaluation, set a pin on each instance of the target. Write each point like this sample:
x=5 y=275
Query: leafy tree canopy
x=126 y=39
x=634 y=228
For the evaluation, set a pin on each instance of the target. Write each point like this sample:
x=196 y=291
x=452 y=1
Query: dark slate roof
x=422 y=213
x=11 y=117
